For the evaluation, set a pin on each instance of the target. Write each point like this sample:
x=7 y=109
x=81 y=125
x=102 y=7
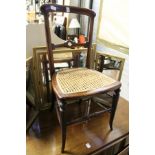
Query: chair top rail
x=46 y=8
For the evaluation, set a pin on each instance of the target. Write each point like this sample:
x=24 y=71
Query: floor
x=84 y=138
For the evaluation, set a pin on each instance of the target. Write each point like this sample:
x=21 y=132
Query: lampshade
x=74 y=23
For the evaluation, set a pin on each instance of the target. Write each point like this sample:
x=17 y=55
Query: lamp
x=74 y=23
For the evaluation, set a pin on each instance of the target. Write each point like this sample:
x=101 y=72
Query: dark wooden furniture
x=78 y=83
x=109 y=64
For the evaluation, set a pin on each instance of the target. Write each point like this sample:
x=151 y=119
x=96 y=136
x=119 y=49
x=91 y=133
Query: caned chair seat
x=78 y=82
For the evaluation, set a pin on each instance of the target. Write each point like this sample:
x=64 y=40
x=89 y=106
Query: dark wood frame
x=60 y=97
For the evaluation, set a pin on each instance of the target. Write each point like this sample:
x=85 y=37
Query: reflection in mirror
x=66 y=26
x=82 y=19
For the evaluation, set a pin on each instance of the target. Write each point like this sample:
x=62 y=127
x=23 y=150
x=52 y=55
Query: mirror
x=67 y=25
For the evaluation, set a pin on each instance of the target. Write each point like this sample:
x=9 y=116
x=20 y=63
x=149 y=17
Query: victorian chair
x=111 y=66
x=76 y=83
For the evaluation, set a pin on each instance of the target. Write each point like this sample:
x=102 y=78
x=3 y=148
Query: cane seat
x=77 y=82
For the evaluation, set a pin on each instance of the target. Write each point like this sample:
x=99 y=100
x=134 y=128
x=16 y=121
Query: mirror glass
x=65 y=25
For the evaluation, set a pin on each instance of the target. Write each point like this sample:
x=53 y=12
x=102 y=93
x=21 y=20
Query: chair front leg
x=114 y=106
x=63 y=124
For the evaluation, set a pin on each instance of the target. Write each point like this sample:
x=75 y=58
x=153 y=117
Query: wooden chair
x=77 y=83
x=111 y=66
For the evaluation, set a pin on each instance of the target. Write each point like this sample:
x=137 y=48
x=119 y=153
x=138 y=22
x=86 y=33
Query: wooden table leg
x=113 y=108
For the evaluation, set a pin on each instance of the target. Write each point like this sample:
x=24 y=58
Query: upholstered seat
x=77 y=82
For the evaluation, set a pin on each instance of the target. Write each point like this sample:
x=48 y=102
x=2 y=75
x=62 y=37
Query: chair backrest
x=46 y=9
x=30 y=82
x=109 y=64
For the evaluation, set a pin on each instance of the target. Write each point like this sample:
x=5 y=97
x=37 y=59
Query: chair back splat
x=46 y=9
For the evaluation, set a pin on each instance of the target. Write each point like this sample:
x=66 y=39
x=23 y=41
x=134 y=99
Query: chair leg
x=63 y=126
x=87 y=109
x=79 y=105
x=113 y=108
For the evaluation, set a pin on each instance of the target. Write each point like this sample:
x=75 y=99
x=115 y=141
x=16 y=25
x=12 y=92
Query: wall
x=35 y=36
x=100 y=47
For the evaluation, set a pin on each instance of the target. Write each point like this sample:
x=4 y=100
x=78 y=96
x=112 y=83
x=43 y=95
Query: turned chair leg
x=87 y=112
x=113 y=108
x=63 y=126
x=79 y=105
x=63 y=130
